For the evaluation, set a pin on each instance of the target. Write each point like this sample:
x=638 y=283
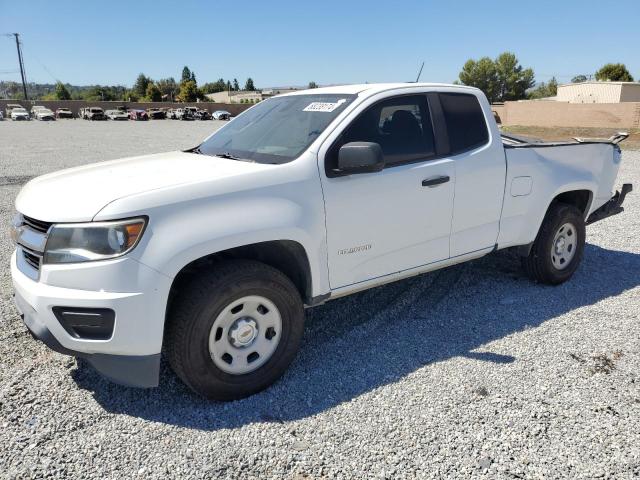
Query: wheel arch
x=288 y=256
x=581 y=198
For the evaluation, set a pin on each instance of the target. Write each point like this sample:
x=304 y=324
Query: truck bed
x=539 y=171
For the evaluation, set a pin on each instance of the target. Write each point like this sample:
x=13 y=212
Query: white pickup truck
x=211 y=254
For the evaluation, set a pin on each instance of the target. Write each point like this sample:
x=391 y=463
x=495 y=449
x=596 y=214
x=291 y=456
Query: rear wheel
x=559 y=246
x=234 y=331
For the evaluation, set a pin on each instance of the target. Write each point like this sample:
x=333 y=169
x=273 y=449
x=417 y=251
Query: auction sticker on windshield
x=323 y=106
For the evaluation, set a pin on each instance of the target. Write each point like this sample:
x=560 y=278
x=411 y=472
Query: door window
x=400 y=125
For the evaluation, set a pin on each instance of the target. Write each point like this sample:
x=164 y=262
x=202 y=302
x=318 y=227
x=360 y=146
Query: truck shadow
x=359 y=343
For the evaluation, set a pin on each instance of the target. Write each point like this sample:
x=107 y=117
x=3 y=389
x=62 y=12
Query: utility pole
x=24 y=80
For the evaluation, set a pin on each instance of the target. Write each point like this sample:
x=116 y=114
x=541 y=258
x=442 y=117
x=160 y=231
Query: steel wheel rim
x=245 y=335
x=564 y=246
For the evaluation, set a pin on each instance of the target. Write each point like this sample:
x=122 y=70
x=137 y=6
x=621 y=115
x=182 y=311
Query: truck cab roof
x=373 y=88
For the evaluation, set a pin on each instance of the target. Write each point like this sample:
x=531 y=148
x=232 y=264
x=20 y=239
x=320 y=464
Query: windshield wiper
x=232 y=157
x=227 y=155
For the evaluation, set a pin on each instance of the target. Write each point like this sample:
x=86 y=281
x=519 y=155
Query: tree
x=212 y=87
x=140 y=87
x=312 y=85
x=228 y=85
x=236 y=85
x=545 y=89
x=153 y=93
x=614 y=72
x=186 y=74
x=193 y=77
x=61 y=92
x=188 y=91
x=513 y=80
x=99 y=93
x=579 y=79
x=168 y=87
x=483 y=75
x=248 y=85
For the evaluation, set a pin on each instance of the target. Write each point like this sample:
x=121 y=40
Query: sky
x=290 y=43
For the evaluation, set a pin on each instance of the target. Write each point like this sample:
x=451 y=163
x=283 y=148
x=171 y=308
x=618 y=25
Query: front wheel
x=233 y=331
x=559 y=246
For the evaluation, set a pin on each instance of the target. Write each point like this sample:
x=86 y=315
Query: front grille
x=31 y=258
x=37 y=225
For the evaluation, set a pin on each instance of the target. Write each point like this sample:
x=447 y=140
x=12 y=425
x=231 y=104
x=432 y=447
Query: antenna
x=420 y=72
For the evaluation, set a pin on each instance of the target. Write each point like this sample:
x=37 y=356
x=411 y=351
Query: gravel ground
x=472 y=371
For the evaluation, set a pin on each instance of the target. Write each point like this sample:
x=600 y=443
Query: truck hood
x=78 y=194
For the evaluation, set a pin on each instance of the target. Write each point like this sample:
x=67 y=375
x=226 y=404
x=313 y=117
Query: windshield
x=276 y=130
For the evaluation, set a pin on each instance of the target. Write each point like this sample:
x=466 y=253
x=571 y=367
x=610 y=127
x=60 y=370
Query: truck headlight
x=86 y=242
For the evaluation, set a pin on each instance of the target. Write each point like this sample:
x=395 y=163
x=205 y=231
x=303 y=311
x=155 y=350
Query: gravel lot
x=472 y=371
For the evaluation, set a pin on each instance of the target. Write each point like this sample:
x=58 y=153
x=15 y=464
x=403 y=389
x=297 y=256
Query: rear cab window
x=464 y=118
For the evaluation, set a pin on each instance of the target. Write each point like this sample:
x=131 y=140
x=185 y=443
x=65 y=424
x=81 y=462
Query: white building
x=599 y=92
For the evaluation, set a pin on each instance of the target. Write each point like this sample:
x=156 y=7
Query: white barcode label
x=323 y=106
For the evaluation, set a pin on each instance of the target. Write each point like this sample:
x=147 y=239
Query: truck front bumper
x=131 y=353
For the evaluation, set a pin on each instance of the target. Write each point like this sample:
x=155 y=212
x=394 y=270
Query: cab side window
x=400 y=125
x=465 y=121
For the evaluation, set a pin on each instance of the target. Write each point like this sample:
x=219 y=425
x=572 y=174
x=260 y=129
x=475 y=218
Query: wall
x=559 y=114
x=75 y=105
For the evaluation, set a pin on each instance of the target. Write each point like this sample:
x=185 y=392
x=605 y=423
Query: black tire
x=193 y=311
x=539 y=265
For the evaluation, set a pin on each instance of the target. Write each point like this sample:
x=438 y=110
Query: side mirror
x=360 y=157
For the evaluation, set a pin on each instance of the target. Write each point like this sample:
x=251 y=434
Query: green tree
x=99 y=93
x=153 y=93
x=186 y=74
x=248 y=85
x=312 y=85
x=236 y=85
x=61 y=92
x=212 y=87
x=482 y=74
x=614 y=72
x=188 y=91
x=168 y=87
x=141 y=84
x=513 y=80
x=544 y=90
x=130 y=96
x=579 y=79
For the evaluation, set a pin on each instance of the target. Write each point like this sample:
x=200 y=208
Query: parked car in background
x=183 y=114
x=92 y=113
x=1 y=115
x=156 y=113
x=202 y=115
x=64 y=112
x=116 y=115
x=11 y=106
x=138 y=115
x=221 y=115
x=171 y=113
x=42 y=113
x=19 y=113
x=192 y=110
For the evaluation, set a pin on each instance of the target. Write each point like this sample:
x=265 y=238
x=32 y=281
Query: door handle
x=433 y=181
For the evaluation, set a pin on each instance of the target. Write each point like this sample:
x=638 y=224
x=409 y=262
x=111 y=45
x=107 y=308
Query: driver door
x=396 y=219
